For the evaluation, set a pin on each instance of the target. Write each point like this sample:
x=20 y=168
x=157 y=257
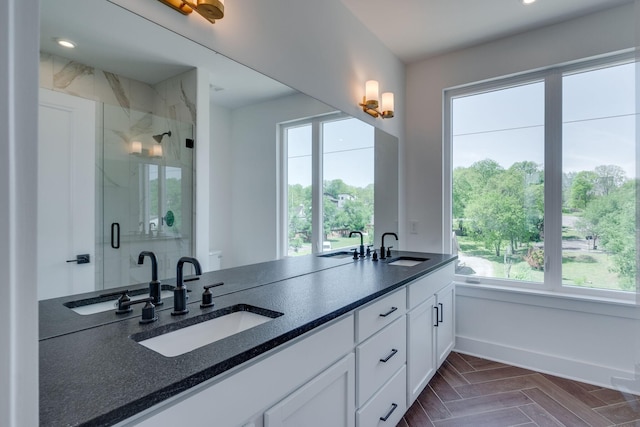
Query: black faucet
x=180 y=292
x=361 y=242
x=154 y=285
x=382 y=256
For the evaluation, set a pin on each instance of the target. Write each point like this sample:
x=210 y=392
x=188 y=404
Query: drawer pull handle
x=437 y=316
x=441 y=319
x=389 y=312
x=393 y=353
x=393 y=408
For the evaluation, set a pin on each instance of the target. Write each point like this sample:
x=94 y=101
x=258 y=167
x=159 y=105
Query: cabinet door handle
x=388 y=312
x=437 y=316
x=115 y=233
x=441 y=318
x=393 y=353
x=393 y=408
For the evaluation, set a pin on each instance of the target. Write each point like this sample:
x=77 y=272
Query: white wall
x=321 y=50
x=18 y=192
x=220 y=183
x=592 y=342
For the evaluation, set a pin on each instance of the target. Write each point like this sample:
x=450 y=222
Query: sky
x=348 y=153
x=599 y=123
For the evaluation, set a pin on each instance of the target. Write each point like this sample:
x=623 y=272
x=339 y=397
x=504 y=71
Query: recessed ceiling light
x=66 y=43
x=528 y=1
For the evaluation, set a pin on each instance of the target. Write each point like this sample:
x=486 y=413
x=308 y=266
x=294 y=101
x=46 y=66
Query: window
x=328 y=173
x=543 y=179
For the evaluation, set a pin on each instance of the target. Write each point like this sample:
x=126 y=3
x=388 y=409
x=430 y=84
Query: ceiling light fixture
x=66 y=43
x=370 y=101
x=209 y=9
x=528 y=1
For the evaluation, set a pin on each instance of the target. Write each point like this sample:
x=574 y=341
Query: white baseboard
x=603 y=376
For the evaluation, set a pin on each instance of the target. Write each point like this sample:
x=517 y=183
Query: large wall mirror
x=118 y=146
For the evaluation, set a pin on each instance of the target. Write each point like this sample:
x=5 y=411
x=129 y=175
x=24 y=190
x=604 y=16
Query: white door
x=66 y=194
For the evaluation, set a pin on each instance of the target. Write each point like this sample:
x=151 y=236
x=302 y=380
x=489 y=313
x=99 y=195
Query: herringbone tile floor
x=474 y=392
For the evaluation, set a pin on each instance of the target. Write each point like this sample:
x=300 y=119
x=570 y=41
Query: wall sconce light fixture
x=156 y=151
x=135 y=147
x=370 y=101
x=209 y=9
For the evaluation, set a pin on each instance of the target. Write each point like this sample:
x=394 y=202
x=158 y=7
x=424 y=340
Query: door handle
x=441 y=318
x=115 y=235
x=437 y=316
x=81 y=259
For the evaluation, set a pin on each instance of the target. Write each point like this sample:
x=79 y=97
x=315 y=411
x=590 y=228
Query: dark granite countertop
x=57 y=319
x=99 y=375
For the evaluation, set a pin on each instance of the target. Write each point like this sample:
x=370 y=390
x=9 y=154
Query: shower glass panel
x=147 y=196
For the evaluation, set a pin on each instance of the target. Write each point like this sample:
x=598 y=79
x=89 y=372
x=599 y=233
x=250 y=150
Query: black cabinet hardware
x=393 y=408
x=388 y=312
x=393 y=353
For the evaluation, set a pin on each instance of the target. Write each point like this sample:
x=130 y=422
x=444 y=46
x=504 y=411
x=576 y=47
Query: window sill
x=625 y=308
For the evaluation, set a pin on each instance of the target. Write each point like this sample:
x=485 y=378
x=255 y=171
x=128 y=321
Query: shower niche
x=145 y=193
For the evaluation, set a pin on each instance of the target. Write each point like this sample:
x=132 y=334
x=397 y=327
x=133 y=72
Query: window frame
x=553 y=151
x=316 y=123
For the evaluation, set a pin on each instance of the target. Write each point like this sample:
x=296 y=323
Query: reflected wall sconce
x=371 y=101
x=209 y=9
x=156 y=151
x=135 y=147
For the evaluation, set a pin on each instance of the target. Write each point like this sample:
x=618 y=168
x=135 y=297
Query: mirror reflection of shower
x=159 y=137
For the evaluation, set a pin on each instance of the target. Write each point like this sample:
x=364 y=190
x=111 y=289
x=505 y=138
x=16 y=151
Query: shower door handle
x=115 y=235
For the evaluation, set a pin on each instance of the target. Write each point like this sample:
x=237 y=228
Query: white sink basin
x=112 y=304
x=195 y=336
x=407 y=261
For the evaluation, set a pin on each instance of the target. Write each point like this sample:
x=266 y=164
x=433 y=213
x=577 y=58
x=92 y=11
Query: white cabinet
x=421 y=365
x=430 y=327
x=327 y=400
x=387 y=406
x=242 y=396
x=445 y=331
x=381 y=355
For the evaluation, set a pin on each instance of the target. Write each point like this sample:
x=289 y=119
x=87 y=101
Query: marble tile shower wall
x=129 y=110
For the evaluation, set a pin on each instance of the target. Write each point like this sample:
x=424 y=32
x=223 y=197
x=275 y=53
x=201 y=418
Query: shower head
x=159 y=137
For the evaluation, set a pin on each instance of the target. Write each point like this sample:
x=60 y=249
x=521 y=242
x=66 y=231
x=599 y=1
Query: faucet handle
x=148 y=311
x=389 y=251
x=355 y=253
x=369 y=250
x=123 y=302
x=207 y=296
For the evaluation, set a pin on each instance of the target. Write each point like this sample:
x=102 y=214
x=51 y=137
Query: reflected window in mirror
x=330 y=157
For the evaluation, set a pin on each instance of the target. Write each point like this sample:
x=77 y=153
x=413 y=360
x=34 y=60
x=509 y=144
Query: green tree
x=583 y=189
x=609 y=178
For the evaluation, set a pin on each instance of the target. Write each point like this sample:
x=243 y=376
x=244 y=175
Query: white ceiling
x=417 y=29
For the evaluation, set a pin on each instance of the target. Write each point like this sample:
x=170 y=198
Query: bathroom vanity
x=328 y=340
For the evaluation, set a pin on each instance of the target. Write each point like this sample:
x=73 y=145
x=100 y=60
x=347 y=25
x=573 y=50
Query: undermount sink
x=406 y=261
x=197 y=332
x=109 y=302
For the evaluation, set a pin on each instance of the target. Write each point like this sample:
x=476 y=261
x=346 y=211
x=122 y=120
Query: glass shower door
x=147 y=195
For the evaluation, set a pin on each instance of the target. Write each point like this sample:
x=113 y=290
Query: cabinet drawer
x=426 y=286
x=379 y=357
x=379 y=314
x=388 y=405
